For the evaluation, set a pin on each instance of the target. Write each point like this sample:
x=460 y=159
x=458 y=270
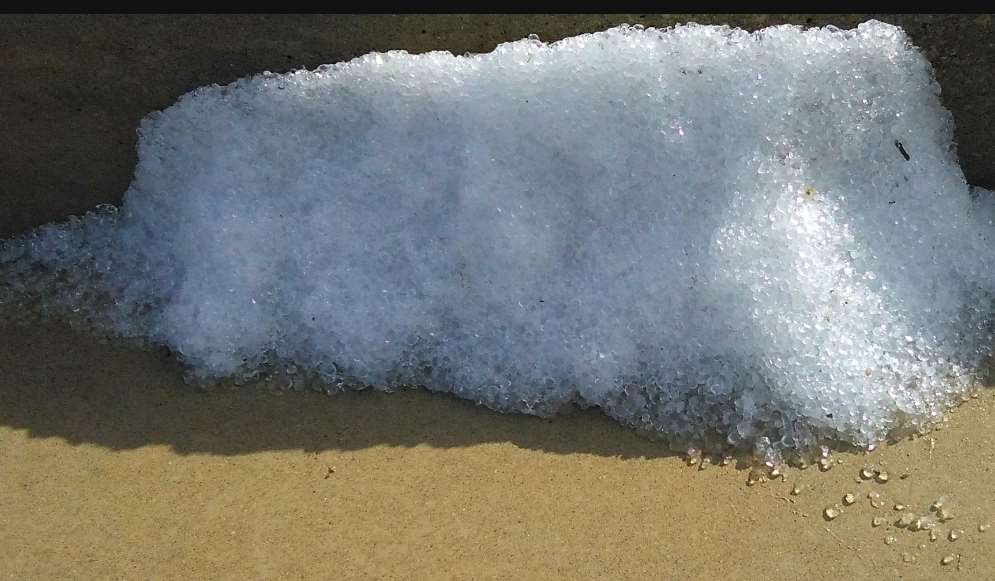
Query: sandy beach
x=112 y=468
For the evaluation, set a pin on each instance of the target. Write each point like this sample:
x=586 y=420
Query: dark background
x=74 y=88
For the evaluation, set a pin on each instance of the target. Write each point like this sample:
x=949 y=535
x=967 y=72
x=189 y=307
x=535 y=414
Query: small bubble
x=878 y=521
x=920 y=524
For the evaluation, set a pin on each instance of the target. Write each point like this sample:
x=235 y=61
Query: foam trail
x=723 y=237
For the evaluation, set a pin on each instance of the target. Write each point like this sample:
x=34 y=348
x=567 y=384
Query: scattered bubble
x=755 y=476
x=922 y=523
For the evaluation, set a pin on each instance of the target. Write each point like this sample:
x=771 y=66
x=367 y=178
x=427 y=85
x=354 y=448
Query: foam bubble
x=721 y=236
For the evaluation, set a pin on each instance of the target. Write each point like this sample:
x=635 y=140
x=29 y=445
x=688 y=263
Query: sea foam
x=719 y=236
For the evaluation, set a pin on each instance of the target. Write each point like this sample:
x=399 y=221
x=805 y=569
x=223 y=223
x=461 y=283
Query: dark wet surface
x=75 y=87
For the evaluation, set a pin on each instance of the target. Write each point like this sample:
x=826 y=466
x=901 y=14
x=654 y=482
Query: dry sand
x=111 y=468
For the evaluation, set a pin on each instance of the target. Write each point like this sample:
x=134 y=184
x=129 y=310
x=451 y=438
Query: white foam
x=708 y=233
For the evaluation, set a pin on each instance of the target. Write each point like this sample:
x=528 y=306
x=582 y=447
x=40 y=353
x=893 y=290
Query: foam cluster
x=719 y=236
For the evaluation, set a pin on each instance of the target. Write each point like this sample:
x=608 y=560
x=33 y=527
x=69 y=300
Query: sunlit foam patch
x=728 y=238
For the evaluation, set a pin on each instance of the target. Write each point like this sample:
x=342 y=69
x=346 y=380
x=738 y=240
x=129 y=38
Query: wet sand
x=75 y=86
x=110 y=467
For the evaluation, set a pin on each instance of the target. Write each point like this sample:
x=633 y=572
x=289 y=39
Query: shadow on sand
x=55 y=382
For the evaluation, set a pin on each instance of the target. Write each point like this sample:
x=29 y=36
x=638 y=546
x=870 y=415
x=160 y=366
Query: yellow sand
x=111 y=468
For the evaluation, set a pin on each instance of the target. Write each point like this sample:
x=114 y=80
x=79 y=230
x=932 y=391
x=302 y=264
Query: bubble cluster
x=731 y=239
